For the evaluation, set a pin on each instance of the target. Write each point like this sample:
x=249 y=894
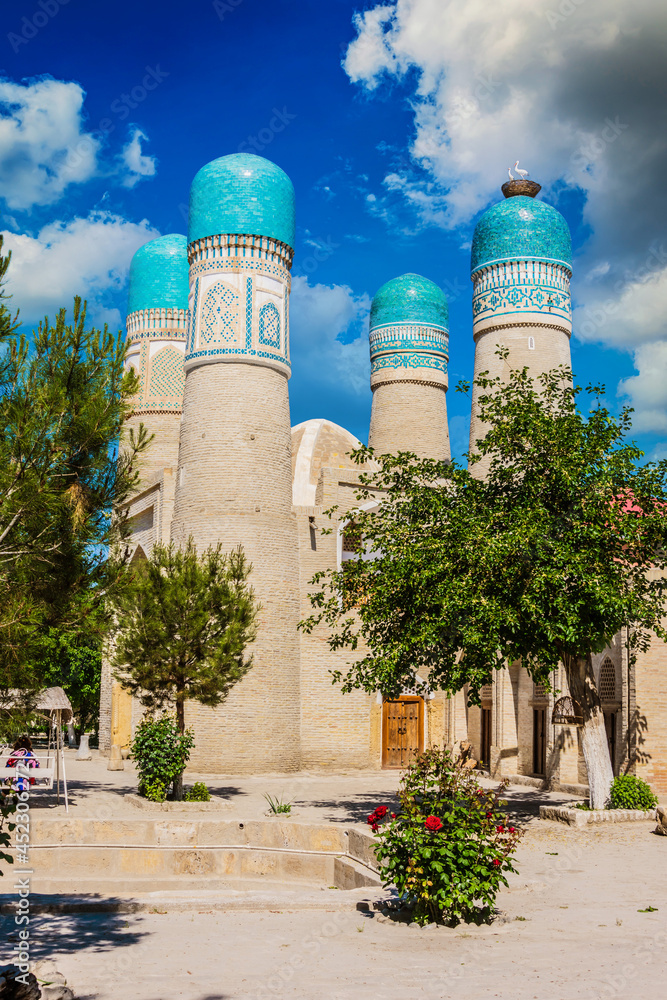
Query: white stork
x=509 y=171
x=522 y=173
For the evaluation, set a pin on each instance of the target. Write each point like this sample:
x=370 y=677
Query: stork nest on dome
x=567 y=712
x=525 y=187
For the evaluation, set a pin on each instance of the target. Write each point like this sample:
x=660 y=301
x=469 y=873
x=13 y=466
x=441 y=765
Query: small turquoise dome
x=159 y=275
x=242 y=193
x=521 y=228
x=410 y=299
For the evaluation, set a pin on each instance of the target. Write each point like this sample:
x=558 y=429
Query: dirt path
x=569 y=927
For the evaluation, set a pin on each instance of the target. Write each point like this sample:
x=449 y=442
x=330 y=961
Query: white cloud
x=320 y=315
x=576 y=92
x=88 y=257
x=135 y=162
x=43 y=145
x=647 y=391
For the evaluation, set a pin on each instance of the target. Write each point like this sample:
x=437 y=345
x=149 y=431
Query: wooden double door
x=402 y=730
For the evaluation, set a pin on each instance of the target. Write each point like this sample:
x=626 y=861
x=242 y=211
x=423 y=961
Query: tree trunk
x=581 y=681
x=180 y=722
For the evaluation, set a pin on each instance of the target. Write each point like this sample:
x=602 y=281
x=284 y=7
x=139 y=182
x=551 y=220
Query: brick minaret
x=234 y=481
x=409 y=343
x=156 y=328
x=521 y=268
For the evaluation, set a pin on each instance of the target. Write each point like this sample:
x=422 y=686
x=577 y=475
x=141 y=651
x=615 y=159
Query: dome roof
x=521 y=228
x=318 y=444
x=410 y=299
x=159 y=275
x=242 y=193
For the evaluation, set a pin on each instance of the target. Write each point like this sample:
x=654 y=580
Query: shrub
x=161 y=753
x=155 y=791
x=277 y=805
x=630 y=792
x=198 y=793
x=448 y=849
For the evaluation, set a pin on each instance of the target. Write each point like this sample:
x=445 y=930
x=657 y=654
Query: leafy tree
x=64 y=397
x=161 y=752
x=542 y=560
x=183 y=627
x=74 y=663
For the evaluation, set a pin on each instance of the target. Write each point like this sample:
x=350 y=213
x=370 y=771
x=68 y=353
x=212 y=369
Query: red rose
x=433 y=824
x=496 y=862
x=500 y=829
x=370 y=819
x=374 y=827
x=393 y=815
x=381 y=812
x=489 y=815
x=511 y=829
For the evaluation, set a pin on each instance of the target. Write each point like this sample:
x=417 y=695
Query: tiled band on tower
x=521 y=265
x=409 y=342
x=156 y=330
x=234 y=480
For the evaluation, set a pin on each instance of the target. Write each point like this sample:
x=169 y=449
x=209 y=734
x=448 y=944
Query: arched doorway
x=402 y=730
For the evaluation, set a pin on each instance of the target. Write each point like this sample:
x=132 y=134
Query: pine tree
x=64 y=470
x=184 y=625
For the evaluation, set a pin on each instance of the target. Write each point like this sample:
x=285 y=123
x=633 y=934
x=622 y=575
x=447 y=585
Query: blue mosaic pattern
x=410 y=299
x=408 y=361
x=167 y=377
x=192 y=330
x=159 y=276
x=248 y=313
x=521 y=228
x=242 y=193
x=533 y=287
x=269 y=325
x=219 y=315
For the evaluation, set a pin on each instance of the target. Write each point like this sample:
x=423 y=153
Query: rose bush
x=449 y=848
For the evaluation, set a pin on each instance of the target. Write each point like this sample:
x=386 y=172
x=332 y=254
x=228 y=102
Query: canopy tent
x=53 y=705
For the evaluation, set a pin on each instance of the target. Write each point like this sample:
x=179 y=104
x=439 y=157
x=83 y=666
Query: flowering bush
x=449 y=848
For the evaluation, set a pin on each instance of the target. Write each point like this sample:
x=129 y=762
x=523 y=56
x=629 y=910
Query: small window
x=531 y=343
x=607 y=680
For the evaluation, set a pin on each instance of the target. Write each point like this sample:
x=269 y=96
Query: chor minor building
x=208 y=335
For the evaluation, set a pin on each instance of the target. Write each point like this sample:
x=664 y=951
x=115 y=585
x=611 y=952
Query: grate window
x=607 y=680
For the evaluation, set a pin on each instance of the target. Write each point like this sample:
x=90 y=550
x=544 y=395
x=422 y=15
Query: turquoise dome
x=159 y=275
x=521 y=228
x=410 y=299
x=242 y=193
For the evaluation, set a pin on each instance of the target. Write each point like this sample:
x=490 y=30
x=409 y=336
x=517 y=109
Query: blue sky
x=396 y=123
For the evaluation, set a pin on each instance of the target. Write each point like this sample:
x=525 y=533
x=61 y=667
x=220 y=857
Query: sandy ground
x=569 y=926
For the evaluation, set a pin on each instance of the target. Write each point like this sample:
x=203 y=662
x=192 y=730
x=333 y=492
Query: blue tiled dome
x=521 y=228
x=159 y=275
x=410 y=299
x=242 y=193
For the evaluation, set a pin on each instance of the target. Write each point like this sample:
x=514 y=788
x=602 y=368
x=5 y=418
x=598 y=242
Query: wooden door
x=485 y=741
x=539 y=741
x=402 y=731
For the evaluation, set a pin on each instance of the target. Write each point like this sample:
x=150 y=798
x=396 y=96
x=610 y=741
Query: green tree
x=74 y=663
x=542 y=560
x=183 y=627
x=64 y=469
